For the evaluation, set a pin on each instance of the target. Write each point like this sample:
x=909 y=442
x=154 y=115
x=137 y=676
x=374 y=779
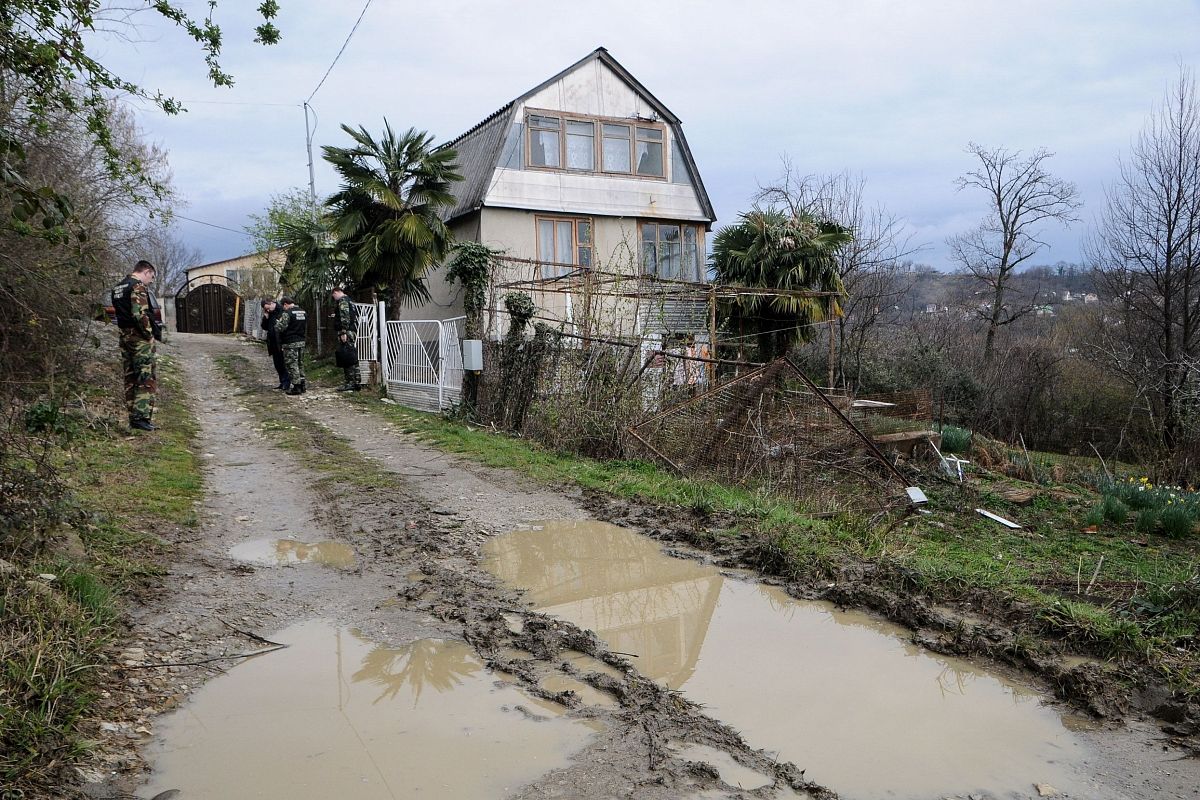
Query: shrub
x=1115 y=510
x=1094 y=517
x=1176 y=522
x=1147 y=521
x=956 y=440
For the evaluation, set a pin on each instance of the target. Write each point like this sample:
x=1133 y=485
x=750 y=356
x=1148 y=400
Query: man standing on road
x=140 y=327
x=270 y=315
x=345 y=325
x=292 y=327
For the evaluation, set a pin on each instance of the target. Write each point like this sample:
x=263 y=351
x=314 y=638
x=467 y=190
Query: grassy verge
x=118 y=488
x=1143 y=605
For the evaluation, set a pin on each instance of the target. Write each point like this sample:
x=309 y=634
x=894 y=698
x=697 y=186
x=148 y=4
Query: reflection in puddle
x=337 y=716
x=843 y=694
x=275 y=552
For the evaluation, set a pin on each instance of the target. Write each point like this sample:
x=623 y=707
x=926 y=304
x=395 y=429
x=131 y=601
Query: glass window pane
x=649 y=264
x=582 y=128
x=543 y=148
x=650 y=133
x=583 y=230
x=581 y=152
x=668 y=233
x=649 y=232
x=691 y=255
x=671 y=256
x=621 y=131
x=616 y=154
x=564 y=246
x=544 y=122
x=546 y=245
x=650 y=158
x=585 y=257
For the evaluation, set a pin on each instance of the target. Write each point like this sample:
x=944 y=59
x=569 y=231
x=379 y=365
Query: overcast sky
x=891 y=90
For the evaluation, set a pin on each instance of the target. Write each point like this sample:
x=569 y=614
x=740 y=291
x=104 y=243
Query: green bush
x=1095 y=516
x=1115 y=510
x=956 y=440
x=1176 y=522
x=1147 y=521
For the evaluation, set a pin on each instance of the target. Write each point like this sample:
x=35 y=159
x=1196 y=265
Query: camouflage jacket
x=135 y=312
x=345 y=316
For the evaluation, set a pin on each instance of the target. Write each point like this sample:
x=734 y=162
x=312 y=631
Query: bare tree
x=166 y=250
x=1021 y=196
x=1146 y=253
x=871 y=266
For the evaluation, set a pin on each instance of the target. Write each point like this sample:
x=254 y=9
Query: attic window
x=557 y=141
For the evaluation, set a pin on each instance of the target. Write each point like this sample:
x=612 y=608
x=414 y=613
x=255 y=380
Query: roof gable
x=480 y=147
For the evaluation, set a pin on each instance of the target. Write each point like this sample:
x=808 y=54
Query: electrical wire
x=210 y=224
x=339 y=53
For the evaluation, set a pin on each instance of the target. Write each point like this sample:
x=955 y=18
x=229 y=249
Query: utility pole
x=312 y=204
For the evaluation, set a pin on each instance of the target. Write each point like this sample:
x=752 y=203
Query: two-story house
x=586 y=170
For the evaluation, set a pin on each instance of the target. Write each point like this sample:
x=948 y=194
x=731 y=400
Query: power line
x=237 y=103
x=339 y=53
x=209 y=224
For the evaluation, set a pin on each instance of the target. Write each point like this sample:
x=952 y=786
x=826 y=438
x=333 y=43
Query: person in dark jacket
x=271 y=312
x=291 y=327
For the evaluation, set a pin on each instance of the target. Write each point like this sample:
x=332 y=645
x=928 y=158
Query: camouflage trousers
x=351 y=373
x=141 y=382
x=293 y=358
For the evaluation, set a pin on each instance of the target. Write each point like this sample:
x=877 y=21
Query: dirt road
x=328 y=530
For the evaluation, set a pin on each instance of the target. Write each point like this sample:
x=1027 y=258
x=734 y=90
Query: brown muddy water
x=279 y=552
x=337 y=716
x=839 y=693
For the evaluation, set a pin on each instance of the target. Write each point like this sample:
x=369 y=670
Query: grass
x=55 y=632
x=1041 y=571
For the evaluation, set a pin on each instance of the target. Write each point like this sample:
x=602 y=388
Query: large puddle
x=279 y=552
x=337 y=716
x=840 y=693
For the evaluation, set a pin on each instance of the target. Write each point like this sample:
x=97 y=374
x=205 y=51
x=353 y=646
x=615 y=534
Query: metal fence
x=424 y=362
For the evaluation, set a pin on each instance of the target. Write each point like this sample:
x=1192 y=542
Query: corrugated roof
x=479 y=148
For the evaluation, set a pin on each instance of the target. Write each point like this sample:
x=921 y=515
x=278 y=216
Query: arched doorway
x=206 y=304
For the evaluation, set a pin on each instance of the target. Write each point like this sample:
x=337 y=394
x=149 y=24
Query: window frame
x=597 y=123
x=701 y=272
x=554 y=219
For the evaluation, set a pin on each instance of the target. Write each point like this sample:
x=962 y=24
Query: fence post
x=382 y=336
x=441 y=364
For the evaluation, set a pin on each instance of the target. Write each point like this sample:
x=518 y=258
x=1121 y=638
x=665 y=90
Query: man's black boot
x=303 y=386
x=345 y=387
x=141 y=425
x=295 y=390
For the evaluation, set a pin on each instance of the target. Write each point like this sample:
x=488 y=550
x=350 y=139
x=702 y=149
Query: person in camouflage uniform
x=140 y=328
x=292 y=327
x=345 y=325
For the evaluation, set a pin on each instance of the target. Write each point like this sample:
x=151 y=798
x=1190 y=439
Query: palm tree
x=387 y=215
x=770 y=250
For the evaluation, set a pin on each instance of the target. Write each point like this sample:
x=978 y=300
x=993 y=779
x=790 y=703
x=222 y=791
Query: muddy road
x=359 y=615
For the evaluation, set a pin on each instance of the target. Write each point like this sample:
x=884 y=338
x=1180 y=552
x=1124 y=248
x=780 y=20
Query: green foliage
x=956 y=440
x=387 y=216
x=1177 y=522
x=1095 y=516
x=47 y=416
x=520 y=310
x=770 y=249
x=1147 y=521
x=1115 y=511
x=471 y=265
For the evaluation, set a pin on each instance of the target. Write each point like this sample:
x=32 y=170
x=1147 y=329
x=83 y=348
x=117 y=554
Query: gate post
x=441 y=366
x=382 y=335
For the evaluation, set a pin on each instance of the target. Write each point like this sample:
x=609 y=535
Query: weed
x=1177 y=522
x=1147 y=521
x=1115 y=511
x=1095 y=517
x=956 y=440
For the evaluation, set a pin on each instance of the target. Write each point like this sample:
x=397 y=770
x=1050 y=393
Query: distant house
x=585 y=172
x=251 y=275
x=218 y=297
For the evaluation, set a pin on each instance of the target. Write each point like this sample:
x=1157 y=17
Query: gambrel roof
x=480 y=147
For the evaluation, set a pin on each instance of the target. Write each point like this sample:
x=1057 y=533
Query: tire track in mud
x=417 y=535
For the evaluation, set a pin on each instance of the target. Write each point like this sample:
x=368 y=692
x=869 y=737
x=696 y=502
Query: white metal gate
x=423 y=366
x=367 y=340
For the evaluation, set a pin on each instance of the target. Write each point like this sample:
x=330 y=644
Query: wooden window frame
x=701 y=272
x=575 y=245
x=597 y=123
